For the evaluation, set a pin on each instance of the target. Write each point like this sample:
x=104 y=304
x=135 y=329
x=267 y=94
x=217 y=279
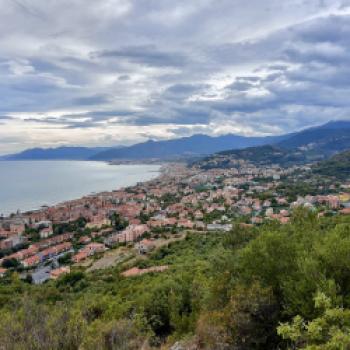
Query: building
x=54 y=274
x=219 y=227
x=31 y=261
x=145 y=246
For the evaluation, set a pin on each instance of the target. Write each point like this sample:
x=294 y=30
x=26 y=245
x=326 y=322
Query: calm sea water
x=27 y=185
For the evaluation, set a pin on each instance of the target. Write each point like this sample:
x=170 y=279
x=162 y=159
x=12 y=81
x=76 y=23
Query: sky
x=117 y=72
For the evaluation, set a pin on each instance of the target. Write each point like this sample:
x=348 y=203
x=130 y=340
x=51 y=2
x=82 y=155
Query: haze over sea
x=28 y=185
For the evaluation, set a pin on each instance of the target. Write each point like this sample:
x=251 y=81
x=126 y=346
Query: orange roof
x=31 y=260
x=58 y=272
x=345 y=211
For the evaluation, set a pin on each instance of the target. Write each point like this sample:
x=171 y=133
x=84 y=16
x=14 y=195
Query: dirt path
x=111 y=258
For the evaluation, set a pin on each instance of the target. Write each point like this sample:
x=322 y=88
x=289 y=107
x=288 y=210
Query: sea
x=28 y=185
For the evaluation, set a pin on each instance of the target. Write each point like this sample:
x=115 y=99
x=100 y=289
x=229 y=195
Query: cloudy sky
x=110 y=72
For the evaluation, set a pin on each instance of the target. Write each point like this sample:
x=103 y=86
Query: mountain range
x=316 y=142
x=59 y=153
x=310 y=145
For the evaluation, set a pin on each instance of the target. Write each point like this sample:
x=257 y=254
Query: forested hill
x=338 y=166
x=314 y=144
x=263 y=155
x=327 y=140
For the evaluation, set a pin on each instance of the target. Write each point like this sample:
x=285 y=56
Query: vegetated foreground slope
x=267 y=287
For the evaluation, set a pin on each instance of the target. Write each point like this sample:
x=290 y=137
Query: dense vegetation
x=272 y=287
x=338 y=166
x=262 y=155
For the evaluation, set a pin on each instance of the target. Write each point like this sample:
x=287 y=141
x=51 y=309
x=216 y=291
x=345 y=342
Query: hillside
x=243 y=289
x=310 y=145
x=327 y=139
x=262 y=155
x=338 y=166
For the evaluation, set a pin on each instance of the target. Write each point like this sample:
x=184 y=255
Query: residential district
x=110 y=227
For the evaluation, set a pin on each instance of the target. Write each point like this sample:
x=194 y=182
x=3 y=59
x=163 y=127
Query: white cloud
x=117 y=71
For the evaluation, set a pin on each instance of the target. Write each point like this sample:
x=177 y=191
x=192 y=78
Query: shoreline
x=162 y=168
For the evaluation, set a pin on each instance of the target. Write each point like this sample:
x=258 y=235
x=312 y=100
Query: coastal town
x=47 y=243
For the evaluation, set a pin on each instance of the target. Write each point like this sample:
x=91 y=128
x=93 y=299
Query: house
x=94 y=248
x=84 y=239
x=219 y=227
x=46 y=232
x=31 y=261
x=41 y=275
x=185 y=223
x=145 y=246
x=80 y=256
x=132 y=233
x=345 y=211
x=12 y=241
x=98 y=222
x=6 y=244
x=54 y=274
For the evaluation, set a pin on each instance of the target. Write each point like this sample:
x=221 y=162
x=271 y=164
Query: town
x=47 y=243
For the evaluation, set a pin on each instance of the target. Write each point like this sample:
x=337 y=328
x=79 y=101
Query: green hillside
x=263 y=155
x=338 y=166
x=273 y=287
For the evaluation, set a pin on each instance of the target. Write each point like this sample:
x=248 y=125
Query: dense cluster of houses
x=181 y=198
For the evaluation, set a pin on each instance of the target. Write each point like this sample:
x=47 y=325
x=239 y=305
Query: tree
x=10 y=263
x=247 y=322
x=329 y=331
x=118 y=222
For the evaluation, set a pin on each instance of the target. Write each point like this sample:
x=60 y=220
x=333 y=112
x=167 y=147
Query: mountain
x=309 y=145
x=324 y=140
x=316 y=143
x=195 y=145
x=59 y=153
x=261 y=155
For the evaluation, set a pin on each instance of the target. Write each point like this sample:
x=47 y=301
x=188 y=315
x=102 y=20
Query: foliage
x=268 y=287
x=338 y=166
x=330 y=330
x=118 y=222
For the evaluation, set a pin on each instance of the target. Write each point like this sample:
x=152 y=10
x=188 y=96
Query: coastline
x=48 y=204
